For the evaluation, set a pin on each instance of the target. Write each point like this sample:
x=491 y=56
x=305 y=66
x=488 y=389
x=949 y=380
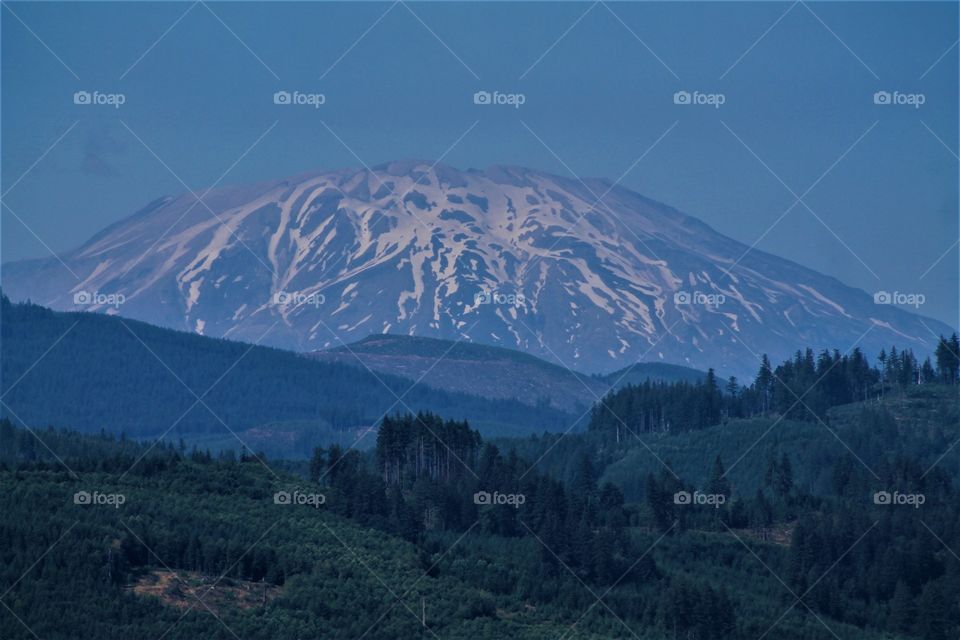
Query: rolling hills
x=91 y=371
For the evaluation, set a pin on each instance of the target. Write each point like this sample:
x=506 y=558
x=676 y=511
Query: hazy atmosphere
x=479 y=320
x=798 y=118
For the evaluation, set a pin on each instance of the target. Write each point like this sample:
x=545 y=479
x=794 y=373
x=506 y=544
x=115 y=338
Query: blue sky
x=798 y=84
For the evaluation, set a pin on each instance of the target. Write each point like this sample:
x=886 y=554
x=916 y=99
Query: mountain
x=506 y=256
x=494 y=372
x=89 y=371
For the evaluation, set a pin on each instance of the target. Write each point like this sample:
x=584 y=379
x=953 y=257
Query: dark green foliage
x=803 y=388
x=688 y=610
x=779 y=476
x=658 y=406
x=436 y=533
x=110 y=373
x=948 y=359
x=220 y=520
x=411 y=447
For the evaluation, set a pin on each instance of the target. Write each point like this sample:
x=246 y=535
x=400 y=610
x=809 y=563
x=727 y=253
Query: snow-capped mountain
x=586 y=274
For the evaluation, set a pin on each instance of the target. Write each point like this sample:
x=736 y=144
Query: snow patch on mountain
x=506 y=256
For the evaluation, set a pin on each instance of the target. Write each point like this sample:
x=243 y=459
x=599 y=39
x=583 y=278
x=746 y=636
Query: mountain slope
x=506 y=256
x=493 y=372
x=923 y=424
x=90 y=372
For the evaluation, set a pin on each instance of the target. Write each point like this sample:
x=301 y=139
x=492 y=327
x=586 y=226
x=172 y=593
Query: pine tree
x=719 y=484
x=711 y=401
x=902 y=609
x=764 y=384
x=779 y=475
x=932 y=619
x=948 y=359
x=660 y=501
x=585 y=484
x=318 y=464
x=785 y=476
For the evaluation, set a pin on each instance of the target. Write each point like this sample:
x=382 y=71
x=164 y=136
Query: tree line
x=801 y=388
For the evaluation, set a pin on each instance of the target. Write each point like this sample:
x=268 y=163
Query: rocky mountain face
x=586 y=275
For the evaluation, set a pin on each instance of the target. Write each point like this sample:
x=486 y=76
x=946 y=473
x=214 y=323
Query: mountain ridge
x=494 y=372
x=90 y=371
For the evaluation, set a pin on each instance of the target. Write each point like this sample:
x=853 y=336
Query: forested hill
x=438 y=534
x=695 y=527
x=801 y=406
x=496 y=372
x=89 y=371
